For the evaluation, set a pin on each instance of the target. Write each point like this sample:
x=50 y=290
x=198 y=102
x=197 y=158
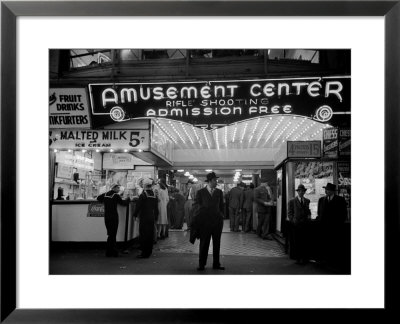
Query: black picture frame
x=10 y=10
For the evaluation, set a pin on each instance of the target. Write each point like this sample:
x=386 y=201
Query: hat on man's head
x=330 y=186
x=211 y=176
x=114 y=185
x=301 y=187
x=163 y=181
x=190 y=181
x=147 y=182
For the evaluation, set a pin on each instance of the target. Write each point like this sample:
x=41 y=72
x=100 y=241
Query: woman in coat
x=163 y=198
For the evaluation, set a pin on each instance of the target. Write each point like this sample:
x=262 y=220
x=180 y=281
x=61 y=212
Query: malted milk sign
x=100 y=139
x=68 y=108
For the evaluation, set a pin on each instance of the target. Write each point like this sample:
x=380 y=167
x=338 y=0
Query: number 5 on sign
x=134 y=139
x=316 y=149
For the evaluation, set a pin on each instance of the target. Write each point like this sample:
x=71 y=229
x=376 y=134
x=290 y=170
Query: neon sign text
x=222 y=102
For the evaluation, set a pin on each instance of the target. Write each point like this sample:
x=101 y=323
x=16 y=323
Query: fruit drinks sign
x=219 y=103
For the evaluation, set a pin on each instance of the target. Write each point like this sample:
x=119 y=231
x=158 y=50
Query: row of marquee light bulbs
x=236 y=178
x=295 y=124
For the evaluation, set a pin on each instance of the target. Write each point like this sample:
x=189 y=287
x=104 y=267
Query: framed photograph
x=39 y=39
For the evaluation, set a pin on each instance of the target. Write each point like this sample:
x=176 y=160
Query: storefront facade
x=120 y=120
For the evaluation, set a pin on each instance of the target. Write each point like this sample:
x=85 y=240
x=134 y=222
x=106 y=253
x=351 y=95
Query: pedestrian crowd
x=160 y=207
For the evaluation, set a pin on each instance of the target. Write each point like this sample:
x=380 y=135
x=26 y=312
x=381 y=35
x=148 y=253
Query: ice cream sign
x=224 y=102
x=131 y=140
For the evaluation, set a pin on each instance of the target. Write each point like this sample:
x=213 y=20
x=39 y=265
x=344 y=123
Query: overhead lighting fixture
x=83 y=151
x=181 y=170
x=55 y=150
x=125 y=150
x=238 y=170
x=69 y=151
x=97 y=150
x=209 y=170
x=140 y=150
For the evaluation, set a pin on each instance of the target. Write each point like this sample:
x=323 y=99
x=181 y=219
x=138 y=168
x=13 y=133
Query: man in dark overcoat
x=332 y=214
x=111 y=199
x=147 y=211
x=208 y=220
x=299 y=215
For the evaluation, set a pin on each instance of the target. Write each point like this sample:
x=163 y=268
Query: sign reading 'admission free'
x=222 y=102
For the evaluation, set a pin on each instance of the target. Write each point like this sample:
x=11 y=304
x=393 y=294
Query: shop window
x=127 y=55
x=217 y=53
x=164 y=54
x=311 y=56
x=314 y=175
x=77 y=175
x=80 y=58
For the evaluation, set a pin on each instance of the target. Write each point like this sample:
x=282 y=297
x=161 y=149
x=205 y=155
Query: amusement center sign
x=203 y=103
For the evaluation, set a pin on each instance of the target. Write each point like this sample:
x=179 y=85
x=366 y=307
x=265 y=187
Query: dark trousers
x=205 y=237
x=264 y=219
x=111 y=223
x=234 y=218
x=298 y=243
x=179 y=218
x=146 y=237
x=332 y=248
x=247 y=215
x=188 y=212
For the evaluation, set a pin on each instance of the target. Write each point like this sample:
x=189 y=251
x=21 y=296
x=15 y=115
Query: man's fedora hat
x=301 y=187
x=211 y=176
x=330 y=186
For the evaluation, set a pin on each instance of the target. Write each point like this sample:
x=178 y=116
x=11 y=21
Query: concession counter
x=83 y=221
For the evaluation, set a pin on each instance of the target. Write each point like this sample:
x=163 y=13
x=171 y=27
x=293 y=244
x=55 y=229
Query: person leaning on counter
x=111 y=199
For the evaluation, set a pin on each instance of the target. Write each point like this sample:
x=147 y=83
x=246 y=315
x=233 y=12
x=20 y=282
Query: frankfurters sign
x=222 y=102
x=68 y=108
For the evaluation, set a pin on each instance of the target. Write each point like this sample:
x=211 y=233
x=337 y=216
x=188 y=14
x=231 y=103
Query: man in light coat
x=235 y=201
x=263 y=197
x=188 y=203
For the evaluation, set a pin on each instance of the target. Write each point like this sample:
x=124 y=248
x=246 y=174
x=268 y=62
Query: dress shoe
x=201 y=268
x=218 y=268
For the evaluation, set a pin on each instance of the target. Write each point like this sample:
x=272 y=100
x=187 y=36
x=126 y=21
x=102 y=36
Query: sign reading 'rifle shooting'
x=223 y=102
